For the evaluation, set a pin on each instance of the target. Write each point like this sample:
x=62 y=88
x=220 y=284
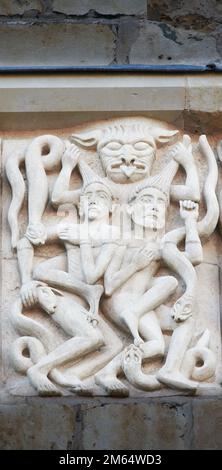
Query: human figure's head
x=96 y=201
x=147 y=208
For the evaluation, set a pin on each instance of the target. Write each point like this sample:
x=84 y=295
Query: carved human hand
x=69 y=233
x=182 y=151
x=183 y=309
x=36 y=234
x=188 y=210
x=71 y=156
x=144 y=257
x=28 y=293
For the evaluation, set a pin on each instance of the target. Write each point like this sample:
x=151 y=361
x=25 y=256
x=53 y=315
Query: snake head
x=182 y=309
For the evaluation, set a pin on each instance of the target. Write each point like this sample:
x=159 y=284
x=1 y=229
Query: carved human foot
x=132 y=367
x=176 y=380
x=85 y=389
x=112 y=385
x=42 y=384
x=65 y=381
x=74 y=384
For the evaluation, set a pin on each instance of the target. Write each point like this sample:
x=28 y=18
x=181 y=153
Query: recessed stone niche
x=111 y=244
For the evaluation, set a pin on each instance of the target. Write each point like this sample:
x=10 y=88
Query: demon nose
x=127 y=160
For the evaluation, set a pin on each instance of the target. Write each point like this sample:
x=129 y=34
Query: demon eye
x=141 y=146
x=113 y=145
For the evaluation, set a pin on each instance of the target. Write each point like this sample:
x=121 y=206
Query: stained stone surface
x=121 y=7
x=132 y=32
x=15 y=7
x=166 y=423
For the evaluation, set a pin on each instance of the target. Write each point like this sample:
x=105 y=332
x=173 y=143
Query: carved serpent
x=200 y=353
x=38 y=340
x=43 y=153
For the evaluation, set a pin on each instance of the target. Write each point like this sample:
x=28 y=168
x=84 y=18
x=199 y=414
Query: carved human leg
x=133 y=356
x=157 y=294
x=107 y=378
x=72 y=349
x=130 y=360
x=92 y=364
x=48 y=272
x=170 y=374
x=161 y=289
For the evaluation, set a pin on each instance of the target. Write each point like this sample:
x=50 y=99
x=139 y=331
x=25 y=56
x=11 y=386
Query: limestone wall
x=76 y=32
x=153 y=424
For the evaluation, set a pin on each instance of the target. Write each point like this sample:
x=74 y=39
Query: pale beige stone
x=53 y=44
x=196 y=97
x=84 y=93
x=97 y=92
x=116 y=160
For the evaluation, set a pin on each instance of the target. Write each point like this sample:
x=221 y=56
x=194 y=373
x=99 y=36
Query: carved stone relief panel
x=111 y=277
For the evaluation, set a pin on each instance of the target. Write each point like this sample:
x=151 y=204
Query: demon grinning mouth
x=133 y=165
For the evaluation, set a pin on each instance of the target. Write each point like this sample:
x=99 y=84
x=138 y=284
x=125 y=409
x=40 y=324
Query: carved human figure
x=170 y=373
x=182 y=263
x=96 y=255
x=134 y=290
x=90 y=244
x=73 y=318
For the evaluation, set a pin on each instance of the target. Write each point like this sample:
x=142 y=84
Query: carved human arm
x=115 y=276
x=182 y=155
x=182 y=262
x=93 y=268
x=207 y=225
x=25 y=255
x=61 y=193
x=178 y=263
x=173 y=257
x=193 y=248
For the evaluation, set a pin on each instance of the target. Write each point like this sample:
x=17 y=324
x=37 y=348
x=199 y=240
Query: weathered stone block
x=159 y=43
x=53 y=44
x=152 y=425
x=199 y=100
x=19 y=7
x=37 y=426
x=110 y=7
x=207 y=424
x=189 y=12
